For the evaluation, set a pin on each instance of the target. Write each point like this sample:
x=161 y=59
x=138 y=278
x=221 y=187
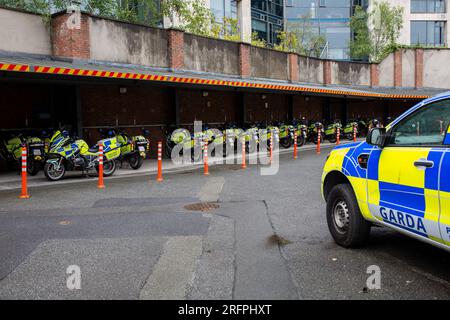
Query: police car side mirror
x=377 y=137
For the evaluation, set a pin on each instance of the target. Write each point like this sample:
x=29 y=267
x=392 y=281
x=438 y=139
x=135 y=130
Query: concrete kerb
x=34 y=182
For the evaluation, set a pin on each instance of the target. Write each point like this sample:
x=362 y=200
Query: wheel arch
x=332 y=179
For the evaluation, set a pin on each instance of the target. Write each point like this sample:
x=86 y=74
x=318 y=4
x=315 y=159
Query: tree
x=376 y=32
x=257 y=41
x=287 y=41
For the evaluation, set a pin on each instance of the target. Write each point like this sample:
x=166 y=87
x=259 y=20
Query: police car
x=399 y=178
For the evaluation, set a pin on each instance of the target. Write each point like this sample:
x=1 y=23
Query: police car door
x=444 y=193
x=408 y=172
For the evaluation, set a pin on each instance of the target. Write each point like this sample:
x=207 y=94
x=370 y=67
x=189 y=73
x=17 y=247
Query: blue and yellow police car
x=399 y=178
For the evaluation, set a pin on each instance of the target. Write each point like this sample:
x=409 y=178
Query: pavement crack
x=283 y=256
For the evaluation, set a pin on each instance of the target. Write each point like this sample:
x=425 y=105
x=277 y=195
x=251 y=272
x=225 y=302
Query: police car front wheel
x=346 y=224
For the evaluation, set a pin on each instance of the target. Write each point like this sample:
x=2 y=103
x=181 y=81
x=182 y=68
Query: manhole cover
x=201 y=206
x=64 y=222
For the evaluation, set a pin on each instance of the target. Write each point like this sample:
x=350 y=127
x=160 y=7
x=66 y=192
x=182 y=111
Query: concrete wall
x=435 y=68
x=127 y=43
x=211 y=55
x=310 y=70
x=408 y=68
x=386 y=68
x=267 y=63
x=23 y=32
x=347 y=73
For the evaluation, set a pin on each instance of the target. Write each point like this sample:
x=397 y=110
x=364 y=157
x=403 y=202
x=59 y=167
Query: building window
x=267 y=19
x=428 y=33
x=428 y=6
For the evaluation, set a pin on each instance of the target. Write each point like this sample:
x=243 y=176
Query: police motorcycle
x=286 y=134
x=133 y=149
x=11 y=152
x=374 y=123
x=251 y=135
x=331 y=131
x=230 y=137
x=314 y=129
x=350 y=127
x=266 y=132
x=190 y=142
x=69 y=154
x=301 y=128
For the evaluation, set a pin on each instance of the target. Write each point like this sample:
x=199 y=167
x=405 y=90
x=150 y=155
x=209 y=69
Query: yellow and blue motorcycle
x=133 y=149
x=70 y=154
x=11 y=152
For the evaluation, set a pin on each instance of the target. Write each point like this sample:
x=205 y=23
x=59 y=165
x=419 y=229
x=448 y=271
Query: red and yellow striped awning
x=197 y=81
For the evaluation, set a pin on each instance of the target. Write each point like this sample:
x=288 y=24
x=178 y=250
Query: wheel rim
x=134 y=161
x=55 y=173
x=341 y=216
x=108 y=167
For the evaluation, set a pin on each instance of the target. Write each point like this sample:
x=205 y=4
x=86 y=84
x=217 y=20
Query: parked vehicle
x=331 y=131
x=286 y=133
x=397 y=178
x=70 y=154
x=133 y=149
x=11 y=152
x=313 y=132
x=187 y=142
x=349 y=129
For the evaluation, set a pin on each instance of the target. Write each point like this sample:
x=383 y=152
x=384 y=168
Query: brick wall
x=176 y=48
x=418 y=74
x=18 y=103
x=244 y=60
x=209 y=106
x=70 y=36
x=398 y=55
x=308 y=107
x=266 y=107
x=137 y=108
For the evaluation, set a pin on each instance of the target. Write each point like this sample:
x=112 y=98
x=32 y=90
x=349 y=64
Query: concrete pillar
x=176 y=48
x=418 y=70
x=244 y=60
x=398 y=61
x=70 y=35
x=244 y=15
x=293 y=67
x=374 y=75
x=326 y=72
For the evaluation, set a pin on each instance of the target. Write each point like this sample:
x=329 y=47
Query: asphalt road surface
x=266 y=238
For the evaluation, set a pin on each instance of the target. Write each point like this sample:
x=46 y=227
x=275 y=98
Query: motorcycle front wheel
x=332 y=139
x=52 y=172
x=286 y=142
x=349 y=136
x=109 y=167
x=135 y=161
x=33 y=167
x=322 y=138
x=301 y=140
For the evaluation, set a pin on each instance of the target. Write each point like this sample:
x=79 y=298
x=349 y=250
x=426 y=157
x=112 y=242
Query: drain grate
x=202 y=206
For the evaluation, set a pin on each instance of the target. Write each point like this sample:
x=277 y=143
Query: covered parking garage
x=108 y=73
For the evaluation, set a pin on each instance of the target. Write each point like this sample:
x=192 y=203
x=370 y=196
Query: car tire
x=345 y=221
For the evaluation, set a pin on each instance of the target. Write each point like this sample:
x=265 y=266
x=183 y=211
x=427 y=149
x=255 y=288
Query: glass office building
x=330 y=18
x=223 y=8
x=267 y=19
